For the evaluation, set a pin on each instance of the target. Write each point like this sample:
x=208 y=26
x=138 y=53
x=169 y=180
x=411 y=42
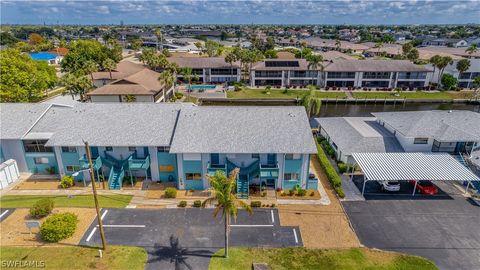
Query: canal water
x=331 y=110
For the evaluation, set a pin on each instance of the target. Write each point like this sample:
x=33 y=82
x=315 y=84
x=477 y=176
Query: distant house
x=208 y=69
x=445 y=42
x=331 y=44
x=129 y=82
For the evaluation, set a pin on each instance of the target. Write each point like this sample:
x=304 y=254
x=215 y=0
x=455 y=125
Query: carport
x=412 y=166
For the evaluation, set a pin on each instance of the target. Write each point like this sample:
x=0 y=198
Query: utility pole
x=94 y=188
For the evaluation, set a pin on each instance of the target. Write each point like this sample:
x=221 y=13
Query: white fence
x=8 y=173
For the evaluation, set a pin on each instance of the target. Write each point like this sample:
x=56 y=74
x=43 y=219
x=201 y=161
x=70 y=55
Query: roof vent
x=291 y=114
x=450 y=111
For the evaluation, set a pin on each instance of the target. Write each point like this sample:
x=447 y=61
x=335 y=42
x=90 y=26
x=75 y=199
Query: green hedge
x=327 y=167
x=58 y=227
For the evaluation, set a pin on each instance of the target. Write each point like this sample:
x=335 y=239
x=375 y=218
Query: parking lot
x=183 y=238
x=444 y=228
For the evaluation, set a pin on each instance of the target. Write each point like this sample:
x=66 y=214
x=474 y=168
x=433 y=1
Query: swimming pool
x=202 y=87
x=43 y=56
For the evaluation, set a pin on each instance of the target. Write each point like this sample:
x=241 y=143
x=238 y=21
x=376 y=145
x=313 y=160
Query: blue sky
x=244 y=12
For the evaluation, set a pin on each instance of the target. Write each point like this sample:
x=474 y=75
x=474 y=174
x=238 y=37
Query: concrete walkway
x=350 y=189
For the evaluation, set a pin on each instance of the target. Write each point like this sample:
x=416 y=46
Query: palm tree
x=225 y=200
x=311 y=102
x=462 y=66
x=158 y=34
x=435 y=60
x=89 y=67
x=443 y=63
x=187 y=74
x=476 y=86
x=315 y=62
x=109 y=65
x=472 y=49
x=76 y=85
x=377 y=46
x=231 y=58
x=338 y=44
x=168 y=79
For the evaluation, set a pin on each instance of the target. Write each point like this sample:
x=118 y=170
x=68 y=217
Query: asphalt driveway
x=187 y=238
x=444 y=231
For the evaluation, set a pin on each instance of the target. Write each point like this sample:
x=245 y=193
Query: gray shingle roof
x=375 y=65
x=243 y=130
x=17 y=118
x=115 y=124
x=443 y=126
x=359 y=135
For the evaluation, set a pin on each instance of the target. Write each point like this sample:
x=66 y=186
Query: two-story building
x=376 y=74
x=208 y=69
x=284 y=72
x=178 y=143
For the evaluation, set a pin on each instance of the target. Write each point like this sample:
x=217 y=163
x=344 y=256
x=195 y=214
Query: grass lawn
x=116 y=257
x=300 y=258
x=414 y=95
x=262 y=93
x=26 y=201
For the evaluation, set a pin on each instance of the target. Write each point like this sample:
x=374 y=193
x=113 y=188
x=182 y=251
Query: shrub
x=59 y=227
x=170 y=192
x=264 y=194
x=273 y=205
x=312 y=193
x=291 y=192
x=178 y=95
x=301 y=192
x=42 y=208
x=67 y=181
x=279 y=189
x=255 y=203
x=197 y=203
x=182 y=204
x=332 y=175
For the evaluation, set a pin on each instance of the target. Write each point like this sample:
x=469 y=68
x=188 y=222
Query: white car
x=390 y=185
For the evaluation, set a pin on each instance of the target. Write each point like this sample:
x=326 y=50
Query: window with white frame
x=290 y=176
x=69 y=149
x=40 y=160
x=72 y=168
x=420 y=141
x=193 y=176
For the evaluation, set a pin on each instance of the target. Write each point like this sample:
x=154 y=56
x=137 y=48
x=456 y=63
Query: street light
x=94 y=188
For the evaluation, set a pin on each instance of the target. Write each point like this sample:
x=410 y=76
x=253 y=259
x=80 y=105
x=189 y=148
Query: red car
x=425 y=187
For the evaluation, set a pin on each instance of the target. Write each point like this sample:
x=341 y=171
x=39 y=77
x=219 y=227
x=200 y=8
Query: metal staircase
x=461 y=159
x=244 y=176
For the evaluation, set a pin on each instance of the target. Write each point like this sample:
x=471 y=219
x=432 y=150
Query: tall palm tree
x=311 y=102
x=315 y=63
x=187 y=74
x=167 y=78
x=443 y=63
x=462 y=66
x=109 y=65
x=338 y=44
x=89 y=67
x=76 y=85
x=231 y=58
x=435 y=60
x=472 y=49
x=225 y=200
x=159 y=36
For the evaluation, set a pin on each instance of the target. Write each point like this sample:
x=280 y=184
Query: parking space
x=374 y=191
x=444 y=231
x=193 y=234
x=5 y=212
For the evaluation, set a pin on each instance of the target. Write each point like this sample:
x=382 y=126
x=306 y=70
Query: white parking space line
x=91 y=234
x=124 y=226
x=104 y=214
x=273 y=217
x=4 y=212
x=295 y=234
x=241 y=225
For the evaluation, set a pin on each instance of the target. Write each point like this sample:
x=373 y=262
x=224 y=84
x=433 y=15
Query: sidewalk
x=350 y=189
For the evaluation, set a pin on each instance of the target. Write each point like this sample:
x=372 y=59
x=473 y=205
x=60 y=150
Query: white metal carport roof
x=412 y=166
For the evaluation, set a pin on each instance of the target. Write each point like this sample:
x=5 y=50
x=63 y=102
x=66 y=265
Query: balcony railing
x=269 y=170
x=212 y=168
x=139 y=163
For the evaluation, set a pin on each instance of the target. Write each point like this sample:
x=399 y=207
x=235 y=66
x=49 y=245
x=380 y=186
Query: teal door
x=215 y=159
x=271 y=159
x=94 y=151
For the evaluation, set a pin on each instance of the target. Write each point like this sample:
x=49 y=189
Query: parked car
x=425 y=187
x=391 y=186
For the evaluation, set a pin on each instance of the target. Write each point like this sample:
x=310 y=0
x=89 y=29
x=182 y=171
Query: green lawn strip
x=413 y=95
x=330 y=171
x=106 y=201
x=301 y=258
x=115 y=257
x=262 y=93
